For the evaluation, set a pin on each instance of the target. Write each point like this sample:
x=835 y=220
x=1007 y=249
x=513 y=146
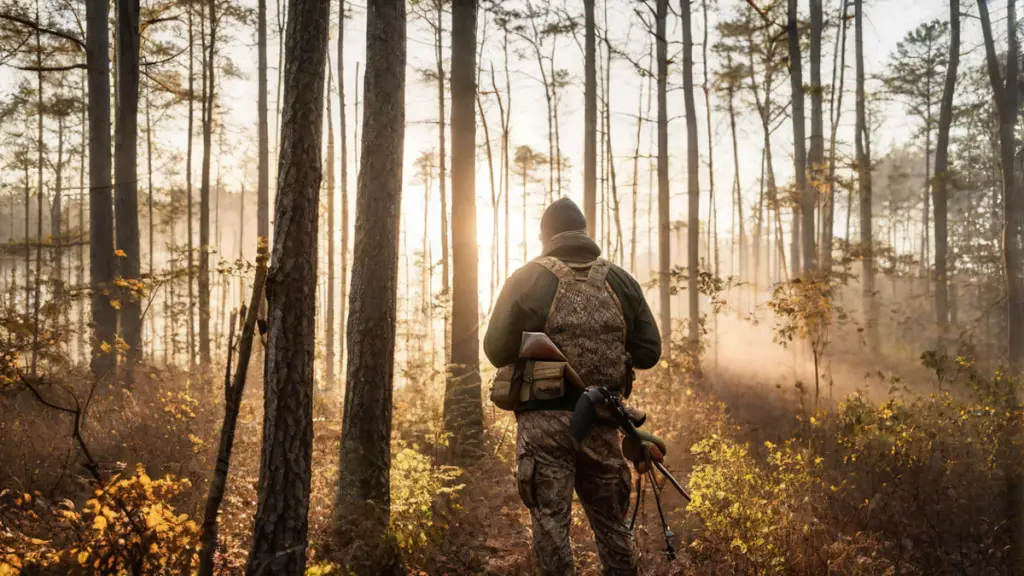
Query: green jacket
x=526 y=297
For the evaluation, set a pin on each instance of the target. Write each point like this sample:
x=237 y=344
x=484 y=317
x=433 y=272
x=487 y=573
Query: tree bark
x=190 y=209
x=442 y=164
x=863 y=149
x=126 y=198
x=280 y=530
x=39 y=200
x=234 y=388
x=209 y=85
x=943 y=178
x=664 y=231
x=835 y=113
x=816 y=171
x=463 y=410
x=804 y=199
x=364 y=484
x=263 y=176
x=693 y=182
x=101 y=210
x=344 y=174
x=590 y=121
x=330 y=320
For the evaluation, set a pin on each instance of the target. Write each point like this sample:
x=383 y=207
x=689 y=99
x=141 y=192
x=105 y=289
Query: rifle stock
x=537 y=346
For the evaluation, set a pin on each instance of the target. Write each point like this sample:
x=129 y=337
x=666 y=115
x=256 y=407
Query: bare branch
x=51 y=31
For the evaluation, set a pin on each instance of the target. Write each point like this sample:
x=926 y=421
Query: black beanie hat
x=563 y=215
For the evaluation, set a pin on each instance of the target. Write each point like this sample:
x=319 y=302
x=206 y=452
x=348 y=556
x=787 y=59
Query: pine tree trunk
x=803 y=211
x=101 y=210
x=636 y=179
x=330 y=321
x=344 y=175
x=692 y=180
x=506 y=123
x=443 y=166
x=942 y=174
x=126 y=201
x=190 y=209
x=149 y=203
x=664 y=232
x=816 y=169
x=83 y=334
x=364 y=484
x=39 y=200
x=263 y=177
x=280 y=529
x=209 y=83
x=835 y=113
x=590 y=121
x=863 y=149
x=463 y=410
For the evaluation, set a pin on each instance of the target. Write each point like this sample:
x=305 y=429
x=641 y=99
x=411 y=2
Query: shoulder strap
x=598 y=273
x=557 y=267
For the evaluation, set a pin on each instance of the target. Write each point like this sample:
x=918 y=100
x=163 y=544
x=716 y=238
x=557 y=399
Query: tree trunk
x=209 y=84
x=463 y=411
x=664 y=232
x=126 y=199
x=364 y=500
x=344 y=174
x=506 y=121
x=817 y=150
x=613 y=188
x=636 y=178
x=101 y=210
x=942 y=174
x=190 y=209
x=442 y=164
x=233 y=391
x=835 y=113
x=803 y=212
x=39 y=200
x=590 y=121
x=149 y=187
x=863 y=149
x=280 y=529
x=693 y=182
x=737 y=187
x=263 y=177
x=83 y=335
x=329 y=321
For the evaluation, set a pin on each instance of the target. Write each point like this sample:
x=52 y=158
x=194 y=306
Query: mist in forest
x=252 y=250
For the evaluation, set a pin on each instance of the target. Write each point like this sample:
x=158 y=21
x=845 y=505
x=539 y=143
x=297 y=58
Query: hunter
x=596 y=314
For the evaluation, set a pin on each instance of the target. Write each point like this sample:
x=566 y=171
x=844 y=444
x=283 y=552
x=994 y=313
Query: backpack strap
x=598 y=273
x=557 y=267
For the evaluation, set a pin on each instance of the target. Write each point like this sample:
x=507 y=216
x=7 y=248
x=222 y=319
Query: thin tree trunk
x=738 y=200
x=263 y=135
x=234 y=388
x=39 y=200
x=280 y=529
x=863 y=146
x=803 y=212
x=693 y=183
x=636 y=178
x=330 y=321
x=590 y=121
x=442 y=163
x=506 y=123
x=664 y=232
x=101 y=210
x=83 y=338
x=209 y=84
x=835 y=113
x=942 y=175
x=190 y=210
x=364 y=486
x=344 y=174
x=126 y=201
x=817 y=150
x=614 y=188
x=149 y=190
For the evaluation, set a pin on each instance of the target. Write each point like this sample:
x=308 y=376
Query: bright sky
x=887 y=23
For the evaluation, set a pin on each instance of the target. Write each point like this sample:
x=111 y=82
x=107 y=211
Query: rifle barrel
x=672 y=479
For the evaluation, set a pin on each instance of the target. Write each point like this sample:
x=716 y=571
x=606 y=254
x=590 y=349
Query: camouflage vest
x=586 y=321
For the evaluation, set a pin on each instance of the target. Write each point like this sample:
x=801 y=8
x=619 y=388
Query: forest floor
x=776 y=491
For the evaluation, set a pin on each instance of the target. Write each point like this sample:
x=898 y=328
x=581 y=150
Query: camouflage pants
x=550 y=465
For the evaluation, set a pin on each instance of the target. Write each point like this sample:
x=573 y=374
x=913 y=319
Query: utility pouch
x=548 y=380
x=505 y=390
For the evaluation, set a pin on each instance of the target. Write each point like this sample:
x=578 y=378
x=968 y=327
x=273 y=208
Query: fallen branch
x=233 y=390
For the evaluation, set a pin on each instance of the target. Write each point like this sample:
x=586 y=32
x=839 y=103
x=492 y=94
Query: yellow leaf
x=119 y=253
x=83 y=557
x=115 y=304
x=99 y=523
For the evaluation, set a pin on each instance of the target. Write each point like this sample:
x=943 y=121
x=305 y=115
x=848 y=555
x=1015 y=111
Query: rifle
x=640 y=447
x=537 y=346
